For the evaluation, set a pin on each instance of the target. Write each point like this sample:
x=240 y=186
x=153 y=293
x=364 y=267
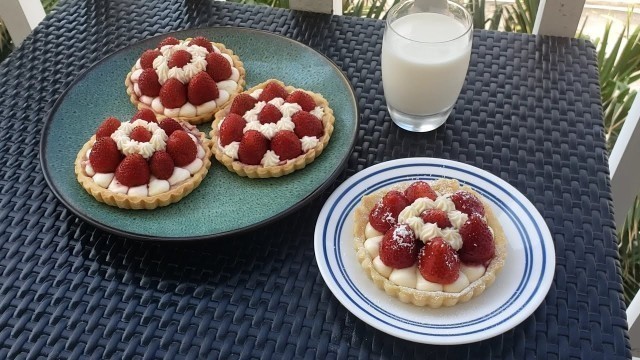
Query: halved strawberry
x=161 y=165
x=286 y=145
x=269 y=114
x=147 y=57
x=252 y=147
x=271 y=91
x=202 y=89
x=303 y=99
x=381 y=218
x=467 y=203
x=231 y=129
x=179 y=59
x=202 y=41
x=133 y=171
x=218 y=67
x=145 y=114
x=419 y=189
x=169 y=40
x=181 y=148
x=399 y=248
x=173 y=94
x=148 y=83
x=169 y=125
x=140 y=134
x=307 y=125
x=438 y=262
x=436 y=216
x=104 y=156
x=396 y=202
x=478 y=246
x=108 y=127
x=242 y=103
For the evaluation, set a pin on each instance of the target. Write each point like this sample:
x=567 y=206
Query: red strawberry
x=145 y=114
x=399 y=248
x=269 y=114
x=104 y=156
x=395 y=202
x=140 y=134
x=201 y=89
x=169 y=125
x=252 y=147
x=380 y=218
x=467 y=203
x=170 y=40
x=133 y=171
x=202 y=41
x=307 y=125
x=231 y=129
x=286 y=145
x=218 y=67
x=477 y=241
x=242 y=103
x=419 y=189
x=147 y=57
x=436 y=216
x=303 y=99
x=173 y=94
x=148 y=83
x=438 y=262
x=161 y=165
x=181 y=148
x=108 y=127
x=179 y=59
x=271 y=91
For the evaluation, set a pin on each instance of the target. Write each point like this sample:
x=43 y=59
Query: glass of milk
x=425 y=56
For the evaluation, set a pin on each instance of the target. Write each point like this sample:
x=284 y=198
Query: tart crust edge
x=258 y=171
x=125 y=201
x=199 y=119
x=433 y=299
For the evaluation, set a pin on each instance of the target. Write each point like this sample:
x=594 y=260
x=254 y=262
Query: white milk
x=423 y=76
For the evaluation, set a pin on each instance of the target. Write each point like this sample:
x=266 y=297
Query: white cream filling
x=380 y=267
x=103 y=180
x=372 y=245
x=270 y=158
x=370 y=232
x=405 y=277
x=473 y=272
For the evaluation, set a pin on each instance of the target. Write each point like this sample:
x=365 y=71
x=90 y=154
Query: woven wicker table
x=530 y=112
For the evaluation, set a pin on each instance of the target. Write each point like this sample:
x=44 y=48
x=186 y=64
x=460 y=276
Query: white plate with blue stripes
x=517 y=292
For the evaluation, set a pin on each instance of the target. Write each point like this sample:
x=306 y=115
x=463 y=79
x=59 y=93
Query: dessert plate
x=224 y=203
x=517 y=292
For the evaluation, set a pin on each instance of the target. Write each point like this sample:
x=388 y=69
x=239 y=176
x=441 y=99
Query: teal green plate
x=224 y=203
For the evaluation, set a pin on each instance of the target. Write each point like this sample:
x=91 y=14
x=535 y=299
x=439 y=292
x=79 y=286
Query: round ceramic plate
x=518 y=290
x=224 y=203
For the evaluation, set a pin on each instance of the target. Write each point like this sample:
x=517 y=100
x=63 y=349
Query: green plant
x=477 y=9
x=6 y=46
x=630 y=252
x=521 y=16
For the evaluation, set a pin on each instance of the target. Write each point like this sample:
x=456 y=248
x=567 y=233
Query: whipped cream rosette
x=429 y=243
x=186 y=80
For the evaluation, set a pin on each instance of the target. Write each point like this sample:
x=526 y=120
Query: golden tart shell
x=199 y=119
x=259 y=171
x=125 y=201
x=433 y=299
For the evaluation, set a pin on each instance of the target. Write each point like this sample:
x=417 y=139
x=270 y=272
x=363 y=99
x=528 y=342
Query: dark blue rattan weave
x=530 y=113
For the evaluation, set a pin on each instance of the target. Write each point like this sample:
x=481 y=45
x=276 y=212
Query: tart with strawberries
x=271 y=130
x=185 y=80
x=429 y=243
x=143 y=163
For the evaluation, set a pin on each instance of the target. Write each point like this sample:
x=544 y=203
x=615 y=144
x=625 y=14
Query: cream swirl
x=288 y=109
x=256 y=93
x=416 y=224
x=457 y=218
x=270 y=158
x=318 y=112
x=429 y=231
x=277 y=102
x=286 y=124
x=452 y=236
x=309 y=142
x=444 y=203
x=231 y=150
x=252 y=125
x=269 y=130
x=129 y=146
x=252 y=115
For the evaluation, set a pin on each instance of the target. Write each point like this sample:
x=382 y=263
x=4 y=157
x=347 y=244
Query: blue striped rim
x=362 y=299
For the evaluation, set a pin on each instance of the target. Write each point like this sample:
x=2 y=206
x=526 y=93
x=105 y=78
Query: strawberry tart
x=271 y=130
x=185 y=80
x=429 y=243
x=143 y=164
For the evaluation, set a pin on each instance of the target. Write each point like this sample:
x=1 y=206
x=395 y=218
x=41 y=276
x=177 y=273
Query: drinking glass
x=425 y=57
